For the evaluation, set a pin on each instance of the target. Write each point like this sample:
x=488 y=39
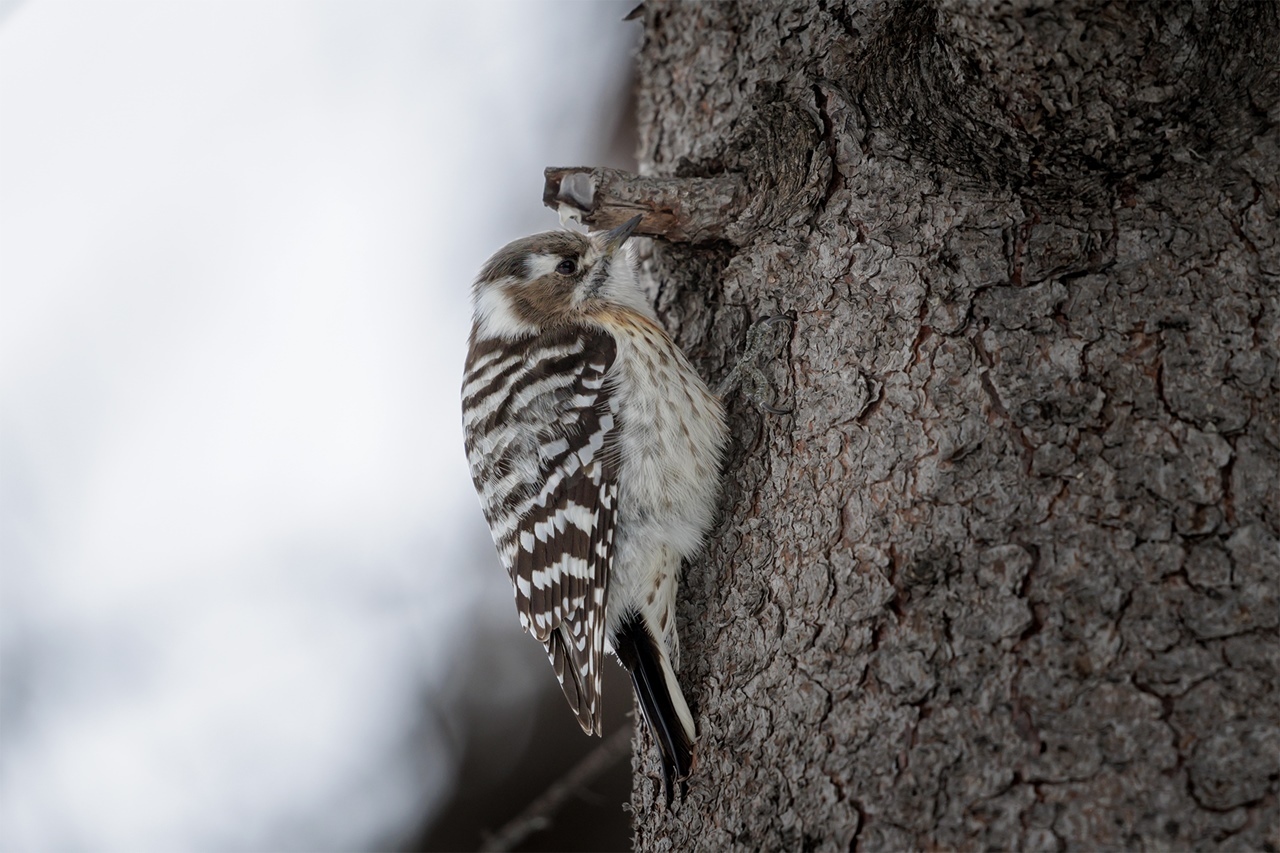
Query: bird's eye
x=566 y=267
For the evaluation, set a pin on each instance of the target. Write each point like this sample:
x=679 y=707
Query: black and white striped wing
x=540 y=425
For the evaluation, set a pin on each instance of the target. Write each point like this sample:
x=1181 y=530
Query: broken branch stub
x=773 y=176
x=683 y=210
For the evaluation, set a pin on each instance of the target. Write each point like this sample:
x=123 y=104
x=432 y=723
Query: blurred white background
x=239 y=548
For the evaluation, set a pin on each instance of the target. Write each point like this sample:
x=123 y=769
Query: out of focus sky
x=238 y=544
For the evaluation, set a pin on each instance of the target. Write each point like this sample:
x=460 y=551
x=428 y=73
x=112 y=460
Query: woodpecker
x=595 y=449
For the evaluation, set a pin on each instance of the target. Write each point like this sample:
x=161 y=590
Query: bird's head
x=554 y=278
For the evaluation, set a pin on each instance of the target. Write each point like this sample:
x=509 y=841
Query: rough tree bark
x=1008 y=575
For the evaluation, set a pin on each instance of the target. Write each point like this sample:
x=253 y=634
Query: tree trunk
x=1007 y=577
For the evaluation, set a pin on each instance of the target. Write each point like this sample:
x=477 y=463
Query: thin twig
x=537 y=815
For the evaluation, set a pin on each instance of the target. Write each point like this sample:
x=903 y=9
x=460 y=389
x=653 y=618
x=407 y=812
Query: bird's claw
x=747 y=373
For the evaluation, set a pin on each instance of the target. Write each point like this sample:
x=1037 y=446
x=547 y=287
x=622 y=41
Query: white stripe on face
x=540 y=265
x=494 y=317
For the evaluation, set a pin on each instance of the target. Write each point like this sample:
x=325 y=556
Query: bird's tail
x=658 y=693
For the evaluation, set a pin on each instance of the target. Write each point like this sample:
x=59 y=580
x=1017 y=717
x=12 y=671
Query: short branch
x=682 y=210
x=774 y=173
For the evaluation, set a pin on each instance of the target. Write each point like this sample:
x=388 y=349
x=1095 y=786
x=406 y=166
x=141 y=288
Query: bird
x=595 y=449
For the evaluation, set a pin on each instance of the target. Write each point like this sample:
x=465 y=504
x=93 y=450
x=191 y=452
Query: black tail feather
x=638 y=652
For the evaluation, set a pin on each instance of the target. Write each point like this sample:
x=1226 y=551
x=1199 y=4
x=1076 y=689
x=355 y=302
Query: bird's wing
x=541 y=425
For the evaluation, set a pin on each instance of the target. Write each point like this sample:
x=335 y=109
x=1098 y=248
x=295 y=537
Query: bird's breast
x=671 y=439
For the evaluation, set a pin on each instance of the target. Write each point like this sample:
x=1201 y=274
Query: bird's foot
x=747 y=374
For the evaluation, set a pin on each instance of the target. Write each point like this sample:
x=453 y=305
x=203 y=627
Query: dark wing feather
x=538 y=440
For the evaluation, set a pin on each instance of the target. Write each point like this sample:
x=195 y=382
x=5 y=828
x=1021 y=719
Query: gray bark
x=1008 y=575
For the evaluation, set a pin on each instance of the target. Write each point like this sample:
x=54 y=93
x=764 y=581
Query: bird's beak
x=611 y=241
